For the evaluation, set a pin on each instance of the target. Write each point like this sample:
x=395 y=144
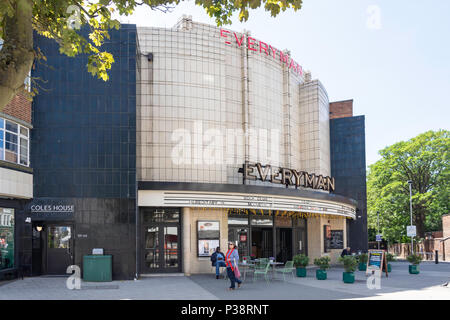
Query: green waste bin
x=97 y=268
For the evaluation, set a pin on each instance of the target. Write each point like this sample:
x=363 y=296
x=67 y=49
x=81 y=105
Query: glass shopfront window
x=14 y=142
x=6 y=238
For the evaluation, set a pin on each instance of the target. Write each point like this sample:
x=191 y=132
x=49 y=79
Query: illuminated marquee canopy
x=229 y=200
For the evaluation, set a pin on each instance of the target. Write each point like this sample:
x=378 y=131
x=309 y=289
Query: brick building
x=16 y=180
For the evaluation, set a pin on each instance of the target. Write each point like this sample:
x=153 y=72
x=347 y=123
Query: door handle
x=69 y=252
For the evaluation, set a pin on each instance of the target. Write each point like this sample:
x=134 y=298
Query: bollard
x=436 y=256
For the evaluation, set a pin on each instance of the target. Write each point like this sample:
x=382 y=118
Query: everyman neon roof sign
x=256 y=45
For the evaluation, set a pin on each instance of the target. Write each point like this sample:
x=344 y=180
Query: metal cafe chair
x=288 y=268
x=262 y=271
x=262 y=263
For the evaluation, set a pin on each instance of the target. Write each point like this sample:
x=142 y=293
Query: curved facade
x=229 y=126
x=210 y=83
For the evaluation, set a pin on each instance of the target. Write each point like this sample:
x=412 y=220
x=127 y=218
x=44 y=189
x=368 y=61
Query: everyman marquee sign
x=286 y=176
x=254 y=45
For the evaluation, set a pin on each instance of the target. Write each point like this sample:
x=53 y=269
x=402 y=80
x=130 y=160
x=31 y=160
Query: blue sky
x=396 y=68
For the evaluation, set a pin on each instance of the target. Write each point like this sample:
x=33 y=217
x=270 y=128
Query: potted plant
x=323 y=263
x=389 y=258
x=362 y=259
x=300 y=263
x=350 y=264
x=415 y=260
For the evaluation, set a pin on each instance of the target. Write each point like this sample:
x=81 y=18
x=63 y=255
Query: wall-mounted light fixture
x=39 y=228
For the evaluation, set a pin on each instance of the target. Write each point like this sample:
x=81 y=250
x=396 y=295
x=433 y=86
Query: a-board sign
x=376 y=261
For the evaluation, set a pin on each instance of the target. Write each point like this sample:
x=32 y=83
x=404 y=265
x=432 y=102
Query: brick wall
x=341 y=109
x=446 y=226
x=19 y=107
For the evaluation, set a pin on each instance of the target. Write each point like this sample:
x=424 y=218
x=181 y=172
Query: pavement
x=428 y=284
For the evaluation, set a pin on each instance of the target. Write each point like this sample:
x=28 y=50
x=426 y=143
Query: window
x=6 y=238
x=14 y=142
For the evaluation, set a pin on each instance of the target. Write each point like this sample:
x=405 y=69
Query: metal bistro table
x=246 y=267
x=274 y=264
x=249 y=265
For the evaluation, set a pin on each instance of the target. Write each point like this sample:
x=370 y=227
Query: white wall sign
x=411 y=231
x=52 y=208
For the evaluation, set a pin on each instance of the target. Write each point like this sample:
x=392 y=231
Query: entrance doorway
x=262 y=242
x=284 y=244
x=52 y=248
x=59 y=248
x=161 y=240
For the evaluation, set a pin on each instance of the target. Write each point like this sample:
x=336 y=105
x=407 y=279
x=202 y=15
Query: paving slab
x=399 y=285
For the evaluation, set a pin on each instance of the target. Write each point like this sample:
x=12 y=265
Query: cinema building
x=202 y=135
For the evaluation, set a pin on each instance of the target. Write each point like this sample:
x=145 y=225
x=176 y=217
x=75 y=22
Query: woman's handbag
x=237 y=273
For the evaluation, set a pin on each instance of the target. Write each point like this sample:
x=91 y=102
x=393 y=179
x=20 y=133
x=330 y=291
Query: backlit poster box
x=208 y=235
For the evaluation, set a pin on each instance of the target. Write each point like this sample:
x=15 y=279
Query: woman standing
x=231 y=260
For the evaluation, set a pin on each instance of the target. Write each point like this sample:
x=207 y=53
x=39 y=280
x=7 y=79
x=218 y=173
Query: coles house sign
x=52 y=208
x=263 y=48
x=286 y=176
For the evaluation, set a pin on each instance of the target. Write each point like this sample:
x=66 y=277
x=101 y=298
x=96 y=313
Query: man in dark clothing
x=346 y=252
x=218 y=260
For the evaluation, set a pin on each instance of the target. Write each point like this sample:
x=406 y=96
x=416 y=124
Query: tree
x=425 y=161
x=60 y=19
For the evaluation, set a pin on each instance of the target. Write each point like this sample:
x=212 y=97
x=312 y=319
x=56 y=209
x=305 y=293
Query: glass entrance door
x=59 y=248
x=262 y=242
x=284 y=244
x=161 y=237
x=299 y=241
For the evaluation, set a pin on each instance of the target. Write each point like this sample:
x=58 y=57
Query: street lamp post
x=378 y=227
x=410 y=209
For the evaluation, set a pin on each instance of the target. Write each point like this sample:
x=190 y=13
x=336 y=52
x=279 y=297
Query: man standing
x=218 y=260
x=346 y=252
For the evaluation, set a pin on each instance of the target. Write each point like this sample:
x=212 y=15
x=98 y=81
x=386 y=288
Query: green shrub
x=414 y=259
x=390 y=257
x=323 y=263
x=301 y=260
x=363 y=257
x=349 y=262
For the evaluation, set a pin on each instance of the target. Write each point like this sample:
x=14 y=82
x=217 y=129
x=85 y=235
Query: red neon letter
x=224 y=35
x=292 y=64
x=274 y=51
x=237 y=41
x=284 y=58
x=265 y=48
x=250 y=43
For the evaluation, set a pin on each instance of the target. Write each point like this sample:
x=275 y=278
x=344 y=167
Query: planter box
x=389 y=267
x=348 y=277
x=301 y=272
x=321 y=274
x=362 y=266
x=413 y=269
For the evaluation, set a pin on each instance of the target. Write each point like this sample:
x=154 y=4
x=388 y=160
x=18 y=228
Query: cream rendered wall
x=191 y=263
x=316 y=237
x=16 y=184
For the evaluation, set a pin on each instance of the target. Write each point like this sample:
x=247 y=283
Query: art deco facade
x=202 y=135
